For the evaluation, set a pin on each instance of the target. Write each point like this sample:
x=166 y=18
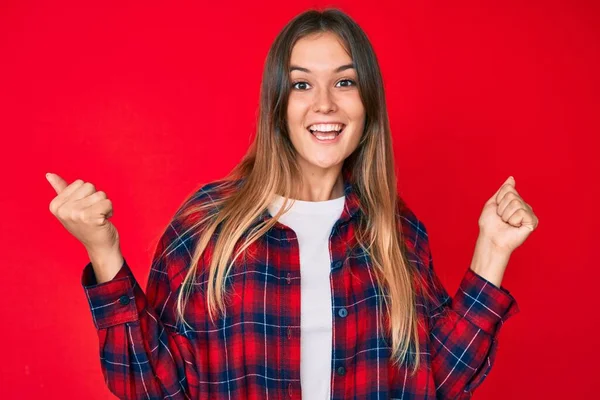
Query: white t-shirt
x=312 y=222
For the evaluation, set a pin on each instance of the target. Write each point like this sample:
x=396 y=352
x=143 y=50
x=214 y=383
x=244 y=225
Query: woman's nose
x=324 y=101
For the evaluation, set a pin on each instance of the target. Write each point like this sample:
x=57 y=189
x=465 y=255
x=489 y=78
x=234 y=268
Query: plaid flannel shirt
x=253 y=350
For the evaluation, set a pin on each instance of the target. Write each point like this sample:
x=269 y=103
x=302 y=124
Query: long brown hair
x=270 y=167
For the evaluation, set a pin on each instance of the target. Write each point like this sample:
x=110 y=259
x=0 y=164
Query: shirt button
x=289 y=278
x=290 y=389
x=124 y=300
x=338 y=264
x=342 y=312
x=341 y=370
x=289 y=333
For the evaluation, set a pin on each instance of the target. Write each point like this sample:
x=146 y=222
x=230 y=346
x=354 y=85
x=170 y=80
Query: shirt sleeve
x=141 y=354
x=464 y=329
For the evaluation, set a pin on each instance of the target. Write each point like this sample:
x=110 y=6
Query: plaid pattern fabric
x=253 y=350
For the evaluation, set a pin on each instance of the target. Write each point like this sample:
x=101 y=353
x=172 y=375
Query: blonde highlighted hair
x=270 y=167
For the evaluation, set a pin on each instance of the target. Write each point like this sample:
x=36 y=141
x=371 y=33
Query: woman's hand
x=505 y=222
x=84 y=212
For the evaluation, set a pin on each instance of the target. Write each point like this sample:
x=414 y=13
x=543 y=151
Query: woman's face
x=324 y=96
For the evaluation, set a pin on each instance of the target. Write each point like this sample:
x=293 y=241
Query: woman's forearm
x=489 y=262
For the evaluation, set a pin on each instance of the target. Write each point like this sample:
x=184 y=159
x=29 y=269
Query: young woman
x=301 y=273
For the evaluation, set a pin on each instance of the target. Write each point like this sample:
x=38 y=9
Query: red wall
x=149 y=101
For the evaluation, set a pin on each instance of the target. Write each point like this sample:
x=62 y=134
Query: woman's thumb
x=57 y=182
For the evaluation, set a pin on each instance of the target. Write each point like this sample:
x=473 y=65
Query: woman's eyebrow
x=338 y=69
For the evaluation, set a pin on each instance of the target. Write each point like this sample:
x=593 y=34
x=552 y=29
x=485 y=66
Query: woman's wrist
x=106 y=264
x=489 y=262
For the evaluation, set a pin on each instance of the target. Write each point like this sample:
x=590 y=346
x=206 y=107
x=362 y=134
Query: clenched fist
x=84 y=212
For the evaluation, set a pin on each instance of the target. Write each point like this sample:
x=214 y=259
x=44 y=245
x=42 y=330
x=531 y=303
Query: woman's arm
x=463 y=329
x=141 y=355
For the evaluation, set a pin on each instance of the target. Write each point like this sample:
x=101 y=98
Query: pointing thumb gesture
x=57 y=182
x=85 y=213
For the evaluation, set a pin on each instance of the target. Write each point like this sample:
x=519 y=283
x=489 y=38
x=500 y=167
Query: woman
x=301 y=273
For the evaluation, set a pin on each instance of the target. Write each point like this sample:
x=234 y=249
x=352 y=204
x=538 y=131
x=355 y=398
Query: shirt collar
x=351 y=202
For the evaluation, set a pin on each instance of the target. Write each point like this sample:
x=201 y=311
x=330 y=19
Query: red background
x=148 y=101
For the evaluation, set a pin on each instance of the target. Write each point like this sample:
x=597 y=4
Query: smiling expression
x=324 y=90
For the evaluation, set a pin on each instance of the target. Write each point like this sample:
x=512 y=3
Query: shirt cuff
x=482 y=303
x=111 y=302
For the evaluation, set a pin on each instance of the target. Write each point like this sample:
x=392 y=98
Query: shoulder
x=202 y=205
x=208 y=195
x=196 y=209
x=413 y=231
x=182 y=233
x=418 y=254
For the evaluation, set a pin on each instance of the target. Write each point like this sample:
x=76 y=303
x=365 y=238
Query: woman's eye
x=294 y=85
x=348 y=80
x=351 y=83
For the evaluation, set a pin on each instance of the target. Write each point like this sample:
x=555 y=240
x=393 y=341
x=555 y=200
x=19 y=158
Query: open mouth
x=326 y=135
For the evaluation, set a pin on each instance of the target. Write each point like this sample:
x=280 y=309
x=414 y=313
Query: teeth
x=326 y=127
x=322 y=136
